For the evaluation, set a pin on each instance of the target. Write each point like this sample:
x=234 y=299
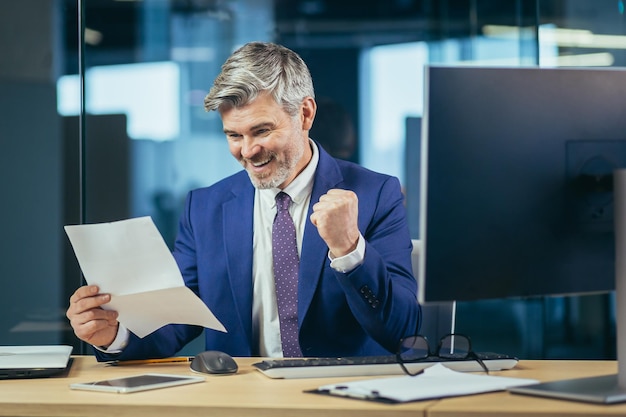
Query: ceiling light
x=92 y=37
x=573 y=38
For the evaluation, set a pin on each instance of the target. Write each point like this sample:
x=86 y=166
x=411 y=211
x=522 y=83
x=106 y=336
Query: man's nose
x=249 y=147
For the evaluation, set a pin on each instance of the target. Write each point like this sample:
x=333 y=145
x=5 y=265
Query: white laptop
x=33 y=361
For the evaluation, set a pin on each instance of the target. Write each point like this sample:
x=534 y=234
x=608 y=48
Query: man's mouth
x=258 y=165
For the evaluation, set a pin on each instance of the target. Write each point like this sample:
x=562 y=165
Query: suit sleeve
x=382 y=292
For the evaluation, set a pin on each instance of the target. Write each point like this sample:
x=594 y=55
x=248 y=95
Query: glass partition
x=121 y=132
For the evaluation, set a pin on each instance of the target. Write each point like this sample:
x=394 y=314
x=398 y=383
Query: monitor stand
x=606 y=389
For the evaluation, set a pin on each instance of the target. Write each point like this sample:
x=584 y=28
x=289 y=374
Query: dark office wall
x=106 y=159
x=334 y=77
x=30 y=155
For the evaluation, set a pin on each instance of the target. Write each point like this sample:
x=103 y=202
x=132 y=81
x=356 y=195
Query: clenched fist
x=335 y=216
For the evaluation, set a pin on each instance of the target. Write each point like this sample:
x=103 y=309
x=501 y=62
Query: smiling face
x=272 y=146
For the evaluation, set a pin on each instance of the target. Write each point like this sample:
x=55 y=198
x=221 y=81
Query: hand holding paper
x=129 y=260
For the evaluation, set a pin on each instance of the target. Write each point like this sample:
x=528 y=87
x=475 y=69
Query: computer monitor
x=517 y=181
x=516 y=176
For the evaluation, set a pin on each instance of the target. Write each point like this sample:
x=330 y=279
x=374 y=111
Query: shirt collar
x=300 y=188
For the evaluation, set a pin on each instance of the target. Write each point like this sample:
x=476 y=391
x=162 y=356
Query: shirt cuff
x=347 y=263
x=119 y=343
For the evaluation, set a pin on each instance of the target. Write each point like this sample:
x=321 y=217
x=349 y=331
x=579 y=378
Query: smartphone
x=137 y=383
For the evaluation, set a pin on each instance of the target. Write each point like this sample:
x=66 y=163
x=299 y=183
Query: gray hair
x=256 y=68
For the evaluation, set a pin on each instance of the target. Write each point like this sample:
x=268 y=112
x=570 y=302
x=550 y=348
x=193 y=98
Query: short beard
x=281 y=175
x=285 y=168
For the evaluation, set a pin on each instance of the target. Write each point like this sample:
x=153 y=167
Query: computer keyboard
x=372 y=365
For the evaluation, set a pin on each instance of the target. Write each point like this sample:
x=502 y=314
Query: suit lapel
x=238 y=231
x=314 y=254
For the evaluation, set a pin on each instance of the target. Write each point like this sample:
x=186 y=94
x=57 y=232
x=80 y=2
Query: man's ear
x=309 y=107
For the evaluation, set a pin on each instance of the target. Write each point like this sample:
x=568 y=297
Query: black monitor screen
x=516 y=192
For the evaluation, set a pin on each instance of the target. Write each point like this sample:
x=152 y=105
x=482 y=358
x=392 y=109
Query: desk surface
x=250 y=393
x=506 y=404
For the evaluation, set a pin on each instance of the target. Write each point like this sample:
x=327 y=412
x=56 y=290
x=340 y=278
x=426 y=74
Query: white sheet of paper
x=436 y=382
x=129 y=260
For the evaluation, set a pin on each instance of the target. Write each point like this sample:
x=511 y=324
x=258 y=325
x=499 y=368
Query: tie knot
x=283 y=201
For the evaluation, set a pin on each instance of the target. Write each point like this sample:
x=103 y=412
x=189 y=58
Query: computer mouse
x=214 y=362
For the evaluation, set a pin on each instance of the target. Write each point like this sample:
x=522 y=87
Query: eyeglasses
x=451 y=346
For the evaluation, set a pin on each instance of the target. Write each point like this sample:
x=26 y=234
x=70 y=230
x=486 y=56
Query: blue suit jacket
x=364 y=312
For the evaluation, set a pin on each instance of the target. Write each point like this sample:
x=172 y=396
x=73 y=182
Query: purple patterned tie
x=286 y=264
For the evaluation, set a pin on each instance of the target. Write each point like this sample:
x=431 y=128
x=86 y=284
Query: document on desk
x=130 y=260
x=436 y=382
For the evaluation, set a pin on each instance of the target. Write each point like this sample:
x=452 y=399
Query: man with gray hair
x=299 y=254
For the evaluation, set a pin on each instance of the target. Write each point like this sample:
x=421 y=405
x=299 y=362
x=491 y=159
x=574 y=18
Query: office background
x=144 y=139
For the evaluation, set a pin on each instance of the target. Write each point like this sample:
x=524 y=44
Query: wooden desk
x=506 y=404
x=250 y=393
x=247 y=393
